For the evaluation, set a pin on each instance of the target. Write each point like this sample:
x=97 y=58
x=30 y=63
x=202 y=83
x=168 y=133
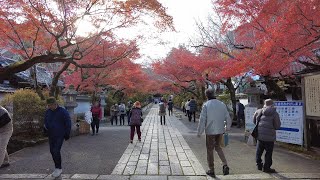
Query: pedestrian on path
x=240 y=113
x=113 y=113
x=268 y=122
x=193 y=109
x=170 y=107
x=183 y=107
x=58 y=126
x=135 y=120
x=187 y=108
x=6 y=129
x=96 y=117
x=128 y=109
x=214 y=120
x=122 y=112
x=162 y=111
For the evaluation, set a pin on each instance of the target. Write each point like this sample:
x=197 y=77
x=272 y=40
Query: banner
x=291 y=117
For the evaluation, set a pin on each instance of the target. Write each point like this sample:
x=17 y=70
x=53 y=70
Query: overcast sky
x=185 y=13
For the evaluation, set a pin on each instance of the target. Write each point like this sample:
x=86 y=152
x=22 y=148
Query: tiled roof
x=7 y=88
x=43 y=76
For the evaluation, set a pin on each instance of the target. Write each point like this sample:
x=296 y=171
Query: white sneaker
x=57 y=172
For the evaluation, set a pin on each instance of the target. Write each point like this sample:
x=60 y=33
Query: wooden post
x=305 y=119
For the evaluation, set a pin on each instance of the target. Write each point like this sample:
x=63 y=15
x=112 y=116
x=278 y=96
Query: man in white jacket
x=214 y=115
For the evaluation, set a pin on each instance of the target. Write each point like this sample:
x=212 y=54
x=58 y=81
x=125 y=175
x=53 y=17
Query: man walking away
x=214 y=115
x=269 y=122
x=193 y=109
x=162 y=112
x=240 y=113
x=58 y=127
x=122 y=111
x=170 y=106
x=6 y=129
x=128 y=109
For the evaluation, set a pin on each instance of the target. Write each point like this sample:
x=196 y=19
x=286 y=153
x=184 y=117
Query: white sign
x=312 y=94
x=249 y=112
x=291 y=117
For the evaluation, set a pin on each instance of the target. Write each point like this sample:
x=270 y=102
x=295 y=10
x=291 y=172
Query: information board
x=249 y=112
x=312 y=95
x=291 y=117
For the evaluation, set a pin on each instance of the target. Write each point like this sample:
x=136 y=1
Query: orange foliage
x=279 y=31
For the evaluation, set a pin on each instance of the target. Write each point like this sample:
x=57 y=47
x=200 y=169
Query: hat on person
x=137 y=104
x=268 y=102
x=51 y=100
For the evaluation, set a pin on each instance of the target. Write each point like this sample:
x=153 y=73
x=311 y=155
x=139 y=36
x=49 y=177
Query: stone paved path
x=162 y=151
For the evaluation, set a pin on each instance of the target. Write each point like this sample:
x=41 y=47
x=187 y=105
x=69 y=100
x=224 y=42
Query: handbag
x=254 y=132
x=224 y=140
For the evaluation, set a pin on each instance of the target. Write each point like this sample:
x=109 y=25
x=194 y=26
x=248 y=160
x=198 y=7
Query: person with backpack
x=170 y=107
x=268 y=121
x=96 y=117
x=135 y=120
x=6 y=129
x=162 y=111
x=193 y=109
x=122 y=111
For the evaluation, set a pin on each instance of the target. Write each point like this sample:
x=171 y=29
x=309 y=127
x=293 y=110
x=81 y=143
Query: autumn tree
x=47 y=31
x=180 y=69
x=278 y=32
x=220 y=56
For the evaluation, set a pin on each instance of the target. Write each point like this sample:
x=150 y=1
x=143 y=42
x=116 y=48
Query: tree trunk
x=54 y=90
x=277 y=92
x=232 y=92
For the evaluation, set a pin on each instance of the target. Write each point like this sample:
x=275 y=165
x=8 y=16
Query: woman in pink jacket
x=96 y=117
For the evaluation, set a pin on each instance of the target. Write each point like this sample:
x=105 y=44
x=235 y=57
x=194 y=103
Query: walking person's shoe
x=225 y=170
x=139 y=140
x=259 y=166
x=4 y=165
x=56 y=173
x=269 y=170
x=131 y=141
x=211 y=173
x=92 y=134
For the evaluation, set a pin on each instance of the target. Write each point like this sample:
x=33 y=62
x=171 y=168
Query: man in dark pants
x=240 y=113
x=193 y=109
x=268 y=122
x=170 y=107
x=214 y=121
x=58 y=127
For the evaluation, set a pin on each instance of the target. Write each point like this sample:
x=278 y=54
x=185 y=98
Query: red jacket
x=96 y=111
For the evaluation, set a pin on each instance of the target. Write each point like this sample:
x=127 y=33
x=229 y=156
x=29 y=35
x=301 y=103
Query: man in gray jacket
x=268 y=122
x=214 y=115
x=6 y=129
